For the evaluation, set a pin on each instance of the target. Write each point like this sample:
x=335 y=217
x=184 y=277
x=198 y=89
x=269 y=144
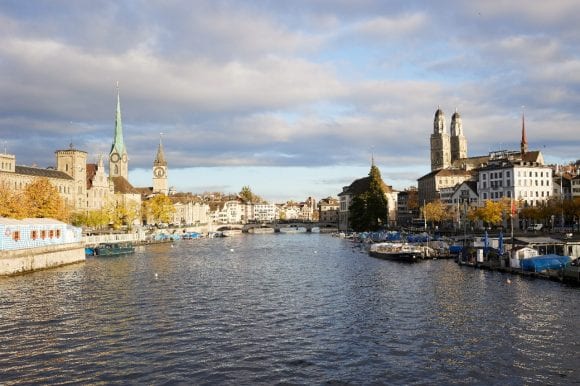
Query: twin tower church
x=447 y=150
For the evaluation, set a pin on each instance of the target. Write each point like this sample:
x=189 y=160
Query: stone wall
x=28 y=260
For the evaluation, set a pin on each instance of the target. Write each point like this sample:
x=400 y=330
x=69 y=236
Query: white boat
x=315 y=230
x=293 y=230
x=261 y=230
x=231 y=232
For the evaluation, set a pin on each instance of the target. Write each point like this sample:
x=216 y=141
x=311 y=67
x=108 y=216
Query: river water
x=283 y=309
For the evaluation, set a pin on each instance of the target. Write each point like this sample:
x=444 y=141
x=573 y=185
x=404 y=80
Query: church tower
x=160 y=184
x=440 y=146
x=74 y=163
x=118 y=159
x=458 y=141
x=524 y=142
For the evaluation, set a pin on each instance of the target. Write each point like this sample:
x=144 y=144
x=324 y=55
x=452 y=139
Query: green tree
x=247 y=195
x=369 y=210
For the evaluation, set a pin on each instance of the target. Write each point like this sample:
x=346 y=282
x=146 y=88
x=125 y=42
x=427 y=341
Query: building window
x=16 y=235
x=34 y=235
x=58 y=233
x=51 y=234
x=43 y=234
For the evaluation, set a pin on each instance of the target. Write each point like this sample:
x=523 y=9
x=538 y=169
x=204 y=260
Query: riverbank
x=22 y=261
x=569 y=275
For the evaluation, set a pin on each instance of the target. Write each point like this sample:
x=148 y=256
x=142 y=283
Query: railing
x=114 y=238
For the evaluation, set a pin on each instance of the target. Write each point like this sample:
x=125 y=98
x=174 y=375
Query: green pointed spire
x=118 y=144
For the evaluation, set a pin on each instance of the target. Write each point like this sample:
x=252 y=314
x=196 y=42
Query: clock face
x=124 y=157
x=115 y=157
x=159 y=172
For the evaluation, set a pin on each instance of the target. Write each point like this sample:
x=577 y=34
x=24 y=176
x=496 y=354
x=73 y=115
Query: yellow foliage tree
x=11 y=204
x=491 y=213
x=121 y=213
x=41 y=199
x=160 y=208
x=435 y=211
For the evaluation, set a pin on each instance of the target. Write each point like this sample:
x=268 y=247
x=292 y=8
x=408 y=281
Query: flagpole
x=512 y=210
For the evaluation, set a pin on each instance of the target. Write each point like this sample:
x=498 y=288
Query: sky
x=291 y=98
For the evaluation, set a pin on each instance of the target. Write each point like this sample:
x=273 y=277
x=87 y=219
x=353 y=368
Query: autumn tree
x=369 y=210
x=491 y=213
x=11 y=204
x=435 y=211
x=159 y=208
x=41 y=199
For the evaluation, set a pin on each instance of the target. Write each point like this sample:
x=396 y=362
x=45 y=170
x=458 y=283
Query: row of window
x=496 y=175
x=35 y=234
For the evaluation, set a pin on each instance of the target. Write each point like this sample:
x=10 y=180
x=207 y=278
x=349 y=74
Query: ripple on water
x=273 y=311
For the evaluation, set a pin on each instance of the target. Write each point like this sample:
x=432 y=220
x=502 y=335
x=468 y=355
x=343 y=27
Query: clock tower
x=118 y=158
x=160 y=184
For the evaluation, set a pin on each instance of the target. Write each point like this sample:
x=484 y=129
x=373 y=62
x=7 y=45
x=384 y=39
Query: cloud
x=390 y=28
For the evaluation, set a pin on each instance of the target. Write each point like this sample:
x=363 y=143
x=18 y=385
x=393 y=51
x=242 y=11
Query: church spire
x=160 y=158
x=118 y=139
x=524 y=143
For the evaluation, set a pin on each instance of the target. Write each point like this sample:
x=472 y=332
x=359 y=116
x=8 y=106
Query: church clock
x=159 y=172
x=115 y=157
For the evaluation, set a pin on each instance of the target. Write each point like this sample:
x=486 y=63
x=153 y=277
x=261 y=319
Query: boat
x=293 y=229
x=397 y=251
x=231 y=232
x=261 y=230
x=191 y=236
x=315 y=230
x=110 y=249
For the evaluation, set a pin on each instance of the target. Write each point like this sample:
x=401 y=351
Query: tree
x=369 y=210
x=43 y=200
x=11 y=204
x=435 y=211
x=247 y=195
x=491 y=213
x=159 y=208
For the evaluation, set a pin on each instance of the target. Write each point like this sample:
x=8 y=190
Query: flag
x=500 y=244
x=513 y=204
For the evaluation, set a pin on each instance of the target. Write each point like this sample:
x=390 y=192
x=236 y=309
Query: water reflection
x=283 y=308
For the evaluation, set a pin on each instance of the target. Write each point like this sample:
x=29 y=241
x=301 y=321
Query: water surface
x=270 y=309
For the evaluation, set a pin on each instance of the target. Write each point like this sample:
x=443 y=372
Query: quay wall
x=27 y=260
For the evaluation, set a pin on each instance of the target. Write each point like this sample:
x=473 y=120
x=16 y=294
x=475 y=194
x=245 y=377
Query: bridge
x=324 y=227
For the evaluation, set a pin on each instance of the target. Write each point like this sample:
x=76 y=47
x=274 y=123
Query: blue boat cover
x=541 y=263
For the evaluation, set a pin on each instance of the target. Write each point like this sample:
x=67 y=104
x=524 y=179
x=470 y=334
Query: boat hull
x=407 y=257
x=106 y=250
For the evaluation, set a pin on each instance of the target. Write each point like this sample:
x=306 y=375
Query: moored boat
x=261 y=230
x=397 y=251
x=231 y=232
x=293 y=230
x=111 y=249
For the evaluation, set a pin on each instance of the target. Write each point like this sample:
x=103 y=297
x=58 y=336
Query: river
x=283 y=309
